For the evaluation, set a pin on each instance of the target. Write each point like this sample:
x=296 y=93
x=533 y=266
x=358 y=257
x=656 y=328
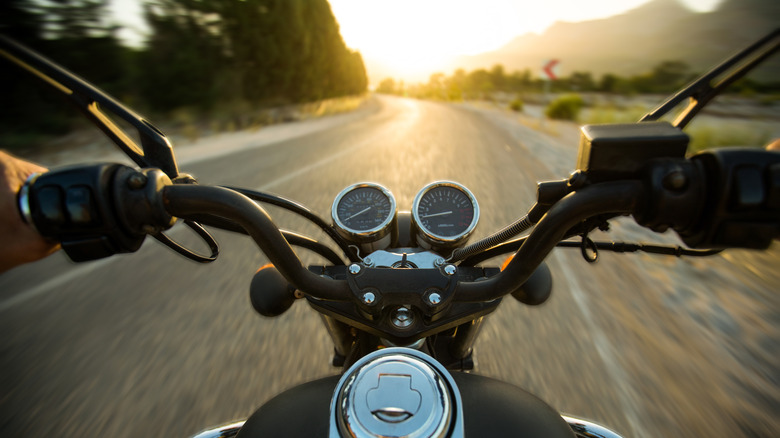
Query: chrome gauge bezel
x=426 y=237
x=373 y=234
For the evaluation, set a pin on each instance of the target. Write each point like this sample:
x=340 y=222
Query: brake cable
x=594 y=246
x=200 y=231
x=624 y=247
x=302 y=211
x=589 y=249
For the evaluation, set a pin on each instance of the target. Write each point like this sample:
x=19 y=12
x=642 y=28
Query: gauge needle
x=437 y=214
x=358 y=213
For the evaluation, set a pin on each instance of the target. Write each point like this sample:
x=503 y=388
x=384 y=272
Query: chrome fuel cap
x=395 y=392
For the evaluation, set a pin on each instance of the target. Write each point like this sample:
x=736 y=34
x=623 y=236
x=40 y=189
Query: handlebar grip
x=718 y=199
x=742 y=208
x=97 y=210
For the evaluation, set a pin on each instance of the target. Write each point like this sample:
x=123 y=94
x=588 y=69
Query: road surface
x=150 y=344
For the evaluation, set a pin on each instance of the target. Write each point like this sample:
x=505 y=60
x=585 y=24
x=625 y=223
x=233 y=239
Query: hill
x=635 y=41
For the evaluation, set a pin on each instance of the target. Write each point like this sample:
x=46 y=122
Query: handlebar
x=190 y=200
x=606 y=198
x=716 y=199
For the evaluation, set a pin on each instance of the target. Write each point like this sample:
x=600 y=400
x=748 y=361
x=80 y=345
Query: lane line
x=607 y=352
x=69 y=275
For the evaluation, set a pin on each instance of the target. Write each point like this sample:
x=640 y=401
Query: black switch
x=51 y=206
x=748 y=186
x=773 y=201
x=78 y=201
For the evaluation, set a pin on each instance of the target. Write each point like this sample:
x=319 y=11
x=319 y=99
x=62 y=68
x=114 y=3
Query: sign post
x=550 y=70
x=549 y=74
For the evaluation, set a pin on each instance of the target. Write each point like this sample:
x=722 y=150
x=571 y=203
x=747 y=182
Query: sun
x=412 y=37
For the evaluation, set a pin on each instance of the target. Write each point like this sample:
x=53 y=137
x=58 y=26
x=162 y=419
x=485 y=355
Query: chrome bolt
x=402 y=318
x=137 y=181
x=354 y=269
x=369 y=298
x=434 y=298
x=450 y=269
x=368 y=261
x=439 y=262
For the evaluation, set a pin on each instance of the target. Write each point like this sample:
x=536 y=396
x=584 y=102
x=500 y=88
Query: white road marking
x=629 y=399
x=69 y=275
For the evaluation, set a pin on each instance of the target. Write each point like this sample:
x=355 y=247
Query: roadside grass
x=724 y=134
x=611 y=114
x=705 y=132
x=332 y=106
x=187 y=124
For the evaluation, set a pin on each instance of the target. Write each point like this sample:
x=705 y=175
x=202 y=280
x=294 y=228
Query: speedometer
x=444 y=214
x=365 y=213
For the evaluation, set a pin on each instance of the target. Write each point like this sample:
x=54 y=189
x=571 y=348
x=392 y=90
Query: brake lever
x=155 y=149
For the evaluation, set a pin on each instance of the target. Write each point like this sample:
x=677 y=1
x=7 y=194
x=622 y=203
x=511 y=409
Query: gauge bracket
x=393 y=288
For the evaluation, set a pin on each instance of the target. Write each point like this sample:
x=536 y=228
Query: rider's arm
x=19 y=242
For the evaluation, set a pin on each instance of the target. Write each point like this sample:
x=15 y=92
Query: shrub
x=516 y=105
x=565 y=107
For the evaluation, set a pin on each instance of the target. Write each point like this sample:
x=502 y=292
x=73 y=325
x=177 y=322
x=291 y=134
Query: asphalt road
x=150 y=344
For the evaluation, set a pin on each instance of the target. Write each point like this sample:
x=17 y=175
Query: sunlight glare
x=411 y=37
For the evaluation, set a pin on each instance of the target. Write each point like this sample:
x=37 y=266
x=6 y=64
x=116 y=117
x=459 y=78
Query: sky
x=413 y=36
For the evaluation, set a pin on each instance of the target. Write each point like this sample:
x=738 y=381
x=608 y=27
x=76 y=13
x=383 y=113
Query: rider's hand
x=19 y=242
x=774 y=146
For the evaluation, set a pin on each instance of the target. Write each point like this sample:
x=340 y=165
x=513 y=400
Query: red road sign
x=549 y=70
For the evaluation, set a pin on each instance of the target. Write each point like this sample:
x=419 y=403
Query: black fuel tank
x=490 y=407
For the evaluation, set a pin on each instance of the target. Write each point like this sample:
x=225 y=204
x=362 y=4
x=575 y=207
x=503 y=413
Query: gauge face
x=364 y=209
x=445 y=212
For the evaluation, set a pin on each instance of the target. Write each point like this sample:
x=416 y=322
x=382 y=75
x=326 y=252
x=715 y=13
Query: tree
x=387 y=86
x=669 y=75
x=74 y=33
x=498 y=77
x=582 y=81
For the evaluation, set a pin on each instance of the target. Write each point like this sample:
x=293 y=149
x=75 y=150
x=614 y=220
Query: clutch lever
x=155 y=149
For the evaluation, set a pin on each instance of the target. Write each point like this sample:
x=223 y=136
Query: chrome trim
x=368 y=236
x=433 y=415
x=414 y=259
x=24 y=198
x=224 y=431
x=587 y=429
x=428 y=239
x=418 y=344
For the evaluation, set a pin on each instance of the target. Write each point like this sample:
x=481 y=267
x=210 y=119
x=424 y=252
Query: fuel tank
x=488 y=408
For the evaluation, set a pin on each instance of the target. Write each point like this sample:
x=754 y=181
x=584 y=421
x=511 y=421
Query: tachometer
x=444 y=214
x=365 y=213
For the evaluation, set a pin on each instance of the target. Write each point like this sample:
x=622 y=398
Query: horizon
x=438 y=32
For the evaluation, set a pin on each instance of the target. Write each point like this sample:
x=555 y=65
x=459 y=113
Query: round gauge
x=445 y=213
x=364 y=212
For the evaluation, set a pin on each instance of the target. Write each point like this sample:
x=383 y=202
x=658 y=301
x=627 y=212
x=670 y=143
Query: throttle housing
x=742 y=206
x=718 y=199
x=96 y=210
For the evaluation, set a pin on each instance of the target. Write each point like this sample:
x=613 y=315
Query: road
x=150 y=344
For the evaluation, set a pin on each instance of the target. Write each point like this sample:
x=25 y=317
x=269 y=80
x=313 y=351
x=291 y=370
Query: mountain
x=635 y=41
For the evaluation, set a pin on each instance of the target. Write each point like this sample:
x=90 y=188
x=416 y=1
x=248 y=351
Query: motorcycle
x=403 y=296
